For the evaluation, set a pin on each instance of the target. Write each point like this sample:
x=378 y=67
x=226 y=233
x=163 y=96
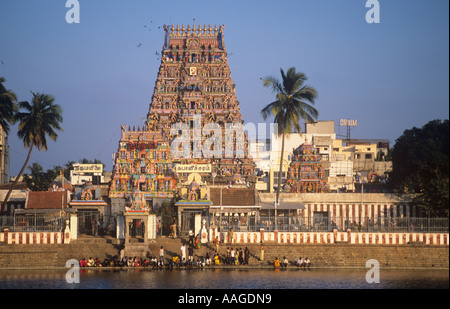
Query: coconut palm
x=40 y=119
x=293 y=103
x=8 y=107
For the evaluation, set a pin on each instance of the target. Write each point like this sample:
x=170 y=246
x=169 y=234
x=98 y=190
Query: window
x=275 y=178
x=368 y=156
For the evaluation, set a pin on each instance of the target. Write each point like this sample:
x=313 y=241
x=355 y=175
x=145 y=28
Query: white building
x=341 y=159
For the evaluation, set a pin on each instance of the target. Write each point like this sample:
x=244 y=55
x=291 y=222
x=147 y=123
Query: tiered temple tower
x=191 y=123
x=306 y=174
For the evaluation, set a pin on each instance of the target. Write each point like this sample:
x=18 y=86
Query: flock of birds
x=149 y=28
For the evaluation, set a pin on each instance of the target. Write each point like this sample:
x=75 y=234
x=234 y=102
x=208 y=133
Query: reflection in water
x=224 y=279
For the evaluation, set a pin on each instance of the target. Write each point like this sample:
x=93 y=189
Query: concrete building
x=4 y=157
x=346 y=162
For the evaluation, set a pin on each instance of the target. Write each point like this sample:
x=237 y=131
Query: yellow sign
x=193 y=71
x=193 y=168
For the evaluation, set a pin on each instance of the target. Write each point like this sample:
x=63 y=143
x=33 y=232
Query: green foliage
x=167 y=213
x=293 y=102
x=37 y=120
x=420 y=163
x=8 y=107
x=38 y=180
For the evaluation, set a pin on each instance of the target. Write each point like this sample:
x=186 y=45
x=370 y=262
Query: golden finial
x=183 y=29
x=172 y=29
x=210 y=29
x=189 y=29
x=215 y=29
x=178 y=29
x=199 y=29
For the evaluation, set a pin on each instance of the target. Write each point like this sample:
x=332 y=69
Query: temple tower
x=193 y=125
x=306 y=173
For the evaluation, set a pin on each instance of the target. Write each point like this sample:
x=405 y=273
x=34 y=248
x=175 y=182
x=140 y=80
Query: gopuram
x=193 y=132
x=306 y=173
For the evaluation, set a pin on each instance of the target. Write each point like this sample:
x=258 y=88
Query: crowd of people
x=187 y=259
x=300 y=263
x=115 y=262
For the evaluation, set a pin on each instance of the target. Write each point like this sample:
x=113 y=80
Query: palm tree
x=291 y=106
x=41 y=118
x=8 y=108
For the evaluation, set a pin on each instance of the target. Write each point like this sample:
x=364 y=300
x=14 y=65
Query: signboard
x=193 y=168
x=348 y=122
x=88 y=168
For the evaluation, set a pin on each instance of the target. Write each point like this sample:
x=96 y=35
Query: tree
x=420 y=166
x=167 y=213
x=8 y=107
x=38 y=180
x=293 y=103
x=40 y=119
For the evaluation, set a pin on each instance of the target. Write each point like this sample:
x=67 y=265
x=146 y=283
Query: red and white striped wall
x=333 y=237
x=23 y=238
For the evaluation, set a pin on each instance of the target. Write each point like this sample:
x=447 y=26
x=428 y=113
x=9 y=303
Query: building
x=193 y=136
x=347 y=163
x=4 y=157
x=86 y=173
x=16 y=200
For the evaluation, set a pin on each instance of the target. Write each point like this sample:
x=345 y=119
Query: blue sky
x=390 y=76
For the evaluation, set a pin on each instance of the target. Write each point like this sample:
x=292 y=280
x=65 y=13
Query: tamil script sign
x=193 y=168
x=88 y=168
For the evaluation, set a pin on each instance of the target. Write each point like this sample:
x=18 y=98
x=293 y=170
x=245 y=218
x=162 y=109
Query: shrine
x=193 y=94
x=305 y=173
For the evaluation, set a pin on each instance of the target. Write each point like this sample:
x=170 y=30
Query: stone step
x=324 y=255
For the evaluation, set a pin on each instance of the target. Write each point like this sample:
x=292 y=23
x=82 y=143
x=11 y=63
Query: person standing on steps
x=216 y=241
x=174 y=228
x=161 y=255
x=191 y=238
x=261 y=248
x=246 y=255
x=183 y=253
x=230 y=235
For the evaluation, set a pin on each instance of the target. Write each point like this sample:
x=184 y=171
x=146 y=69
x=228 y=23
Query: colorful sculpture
x=305 y=173
x=193 y=82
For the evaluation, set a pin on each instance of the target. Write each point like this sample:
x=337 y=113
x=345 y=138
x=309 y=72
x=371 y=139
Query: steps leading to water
x=321 y=255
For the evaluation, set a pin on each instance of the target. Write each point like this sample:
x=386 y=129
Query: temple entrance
x=187 y=221
x=89 y=222
x=137 y=227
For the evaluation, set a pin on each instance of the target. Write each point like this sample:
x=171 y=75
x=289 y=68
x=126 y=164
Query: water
x=224 y=279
